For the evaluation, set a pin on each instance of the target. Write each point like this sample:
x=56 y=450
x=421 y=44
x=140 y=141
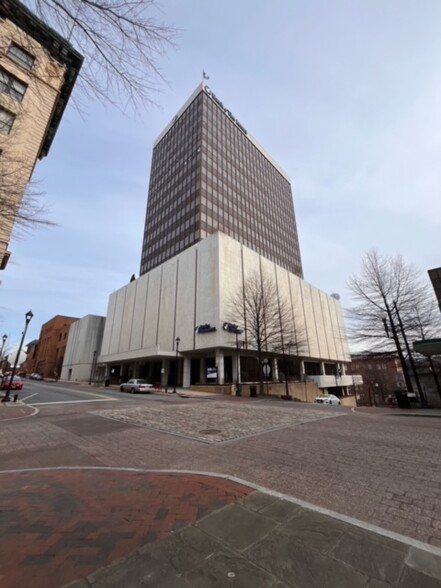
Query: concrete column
x=276 y=370
x=236 y=371
x=220 y=367
x=187 y=373
x=164 y=375
x=150 y=372
x=136 y=370
x=302 y=370
x=202 y=371
x=322 y=368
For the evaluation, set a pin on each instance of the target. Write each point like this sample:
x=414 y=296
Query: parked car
x=35 y=377
x=136 y=385
x=17 y=383
x=327 y=399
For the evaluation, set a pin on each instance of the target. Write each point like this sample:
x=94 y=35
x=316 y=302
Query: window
x=11 y=85
x=19 y=55
x=6 y=121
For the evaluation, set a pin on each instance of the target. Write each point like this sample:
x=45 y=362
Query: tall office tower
x=208 y=174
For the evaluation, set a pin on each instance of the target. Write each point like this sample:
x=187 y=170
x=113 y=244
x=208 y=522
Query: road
x=39 y=393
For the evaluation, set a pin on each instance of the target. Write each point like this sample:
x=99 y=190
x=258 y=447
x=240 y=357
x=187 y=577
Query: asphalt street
x=40 y=393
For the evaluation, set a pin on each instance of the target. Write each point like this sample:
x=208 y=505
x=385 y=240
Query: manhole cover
x=210 y=432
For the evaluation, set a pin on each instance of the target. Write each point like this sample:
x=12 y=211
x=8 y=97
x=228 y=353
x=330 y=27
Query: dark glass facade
x=435 y=277
x=208 y=175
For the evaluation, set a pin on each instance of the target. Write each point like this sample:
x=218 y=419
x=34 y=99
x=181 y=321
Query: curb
x=397 y=414
x=25 y=416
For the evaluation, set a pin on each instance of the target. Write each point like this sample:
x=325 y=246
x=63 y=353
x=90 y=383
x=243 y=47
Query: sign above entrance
x=204 y=329
x=232 y=328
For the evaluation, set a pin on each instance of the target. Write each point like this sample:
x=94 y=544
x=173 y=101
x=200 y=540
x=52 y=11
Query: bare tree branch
x=24 y=212
x=267 y=319
x=122 y=42
x=383 y=280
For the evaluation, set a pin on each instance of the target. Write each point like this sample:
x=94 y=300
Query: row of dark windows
x=12 y=86
x=213 y=114
x=241 y=193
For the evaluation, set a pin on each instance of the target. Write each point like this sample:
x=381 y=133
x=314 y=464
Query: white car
x=35 y=377
x=136 y=385
x=328 y=399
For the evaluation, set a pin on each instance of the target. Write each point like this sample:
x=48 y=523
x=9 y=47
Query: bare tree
x=267 y=319
x=389 y=294
x=122 y=42
x=21 y=204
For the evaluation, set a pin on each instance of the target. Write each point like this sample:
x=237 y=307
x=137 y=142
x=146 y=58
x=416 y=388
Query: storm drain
x=210 y=432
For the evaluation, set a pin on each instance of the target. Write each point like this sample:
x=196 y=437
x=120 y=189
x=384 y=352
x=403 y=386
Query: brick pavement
x=382 y=470
x=61 y=525
x=13 y=410
x=214 y=422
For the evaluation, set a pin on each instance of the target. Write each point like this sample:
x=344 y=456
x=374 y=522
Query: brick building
x=382 y=375
x=52 y=346
x=38 y=69
x=30 y=364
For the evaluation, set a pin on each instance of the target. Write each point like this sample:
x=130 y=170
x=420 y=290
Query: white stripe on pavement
x=72 y=401
x=30 y=396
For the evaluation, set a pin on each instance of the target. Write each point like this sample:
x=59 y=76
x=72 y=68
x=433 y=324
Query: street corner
x=15 y=410
x=63 y=524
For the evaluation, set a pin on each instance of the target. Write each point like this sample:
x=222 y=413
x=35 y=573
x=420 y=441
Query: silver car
x=136 y=385
x=328 y=399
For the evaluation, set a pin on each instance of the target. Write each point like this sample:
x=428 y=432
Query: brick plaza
x=379 y=469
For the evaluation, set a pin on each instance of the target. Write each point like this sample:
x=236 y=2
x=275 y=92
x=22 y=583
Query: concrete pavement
x=108 y=528
x=264 y=542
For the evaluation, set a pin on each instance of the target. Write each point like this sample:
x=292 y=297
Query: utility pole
x=398 y=346
x=412 y=361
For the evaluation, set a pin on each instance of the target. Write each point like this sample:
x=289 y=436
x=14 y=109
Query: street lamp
x=176 y=367
x=237 y=332
x=28 y=318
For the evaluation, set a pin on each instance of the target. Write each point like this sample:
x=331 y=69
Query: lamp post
x=237 y=333
x=28 y=318
x=176 y=367
x=423 y=400
x=3 y=346
x=92 y=368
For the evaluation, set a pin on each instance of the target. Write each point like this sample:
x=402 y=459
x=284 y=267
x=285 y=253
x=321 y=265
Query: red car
x=17 y=383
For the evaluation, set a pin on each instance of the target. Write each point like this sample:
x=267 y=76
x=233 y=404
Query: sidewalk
x=110 y=528
x=395 y=411
x=14 y=410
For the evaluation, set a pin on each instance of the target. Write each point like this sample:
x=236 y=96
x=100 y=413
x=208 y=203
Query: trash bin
x=253 y=391
x=107 y=383
x=238 y=391
x=402 y=398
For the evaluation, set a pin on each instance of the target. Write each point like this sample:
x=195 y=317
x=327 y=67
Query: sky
x=344 y=95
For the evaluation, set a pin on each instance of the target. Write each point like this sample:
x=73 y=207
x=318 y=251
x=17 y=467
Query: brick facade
x=52 y=346
x=382 y=375
x=33 y=114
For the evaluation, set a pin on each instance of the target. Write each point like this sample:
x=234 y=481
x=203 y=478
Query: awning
x=428 y=347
